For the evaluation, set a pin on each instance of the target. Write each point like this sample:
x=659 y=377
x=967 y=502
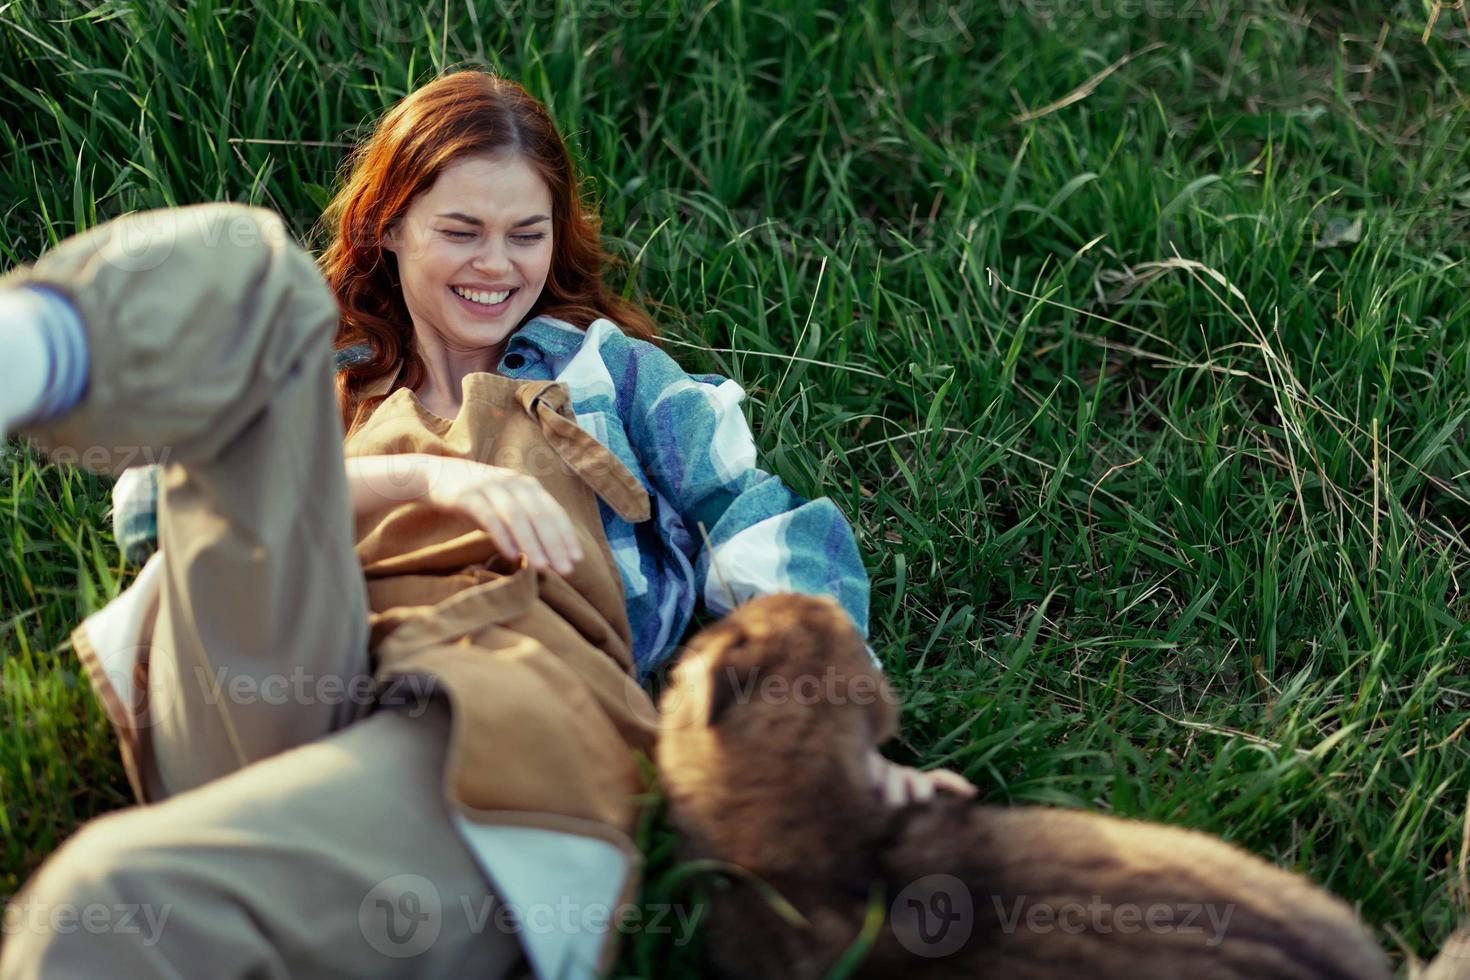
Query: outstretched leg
x=208 y=340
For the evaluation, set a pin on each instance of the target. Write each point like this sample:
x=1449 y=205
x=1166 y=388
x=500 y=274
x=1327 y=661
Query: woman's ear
x=391 y=240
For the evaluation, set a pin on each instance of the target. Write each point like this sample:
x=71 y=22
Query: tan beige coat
x=538 y=666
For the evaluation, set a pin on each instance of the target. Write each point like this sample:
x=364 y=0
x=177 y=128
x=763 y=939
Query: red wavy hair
x=456 y=115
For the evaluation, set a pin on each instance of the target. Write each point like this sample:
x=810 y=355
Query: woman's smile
x=480 y=305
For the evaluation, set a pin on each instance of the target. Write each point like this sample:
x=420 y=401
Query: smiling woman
x=533 y=500
x=465 y=189
x=471 y=262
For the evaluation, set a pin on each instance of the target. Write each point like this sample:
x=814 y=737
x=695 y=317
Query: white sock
x=25 y=358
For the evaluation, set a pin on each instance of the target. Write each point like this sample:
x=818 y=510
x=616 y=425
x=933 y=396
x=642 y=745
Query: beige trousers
x=303 y=834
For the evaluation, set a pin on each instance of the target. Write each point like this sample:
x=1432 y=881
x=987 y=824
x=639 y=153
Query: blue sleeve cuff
x=67 y=340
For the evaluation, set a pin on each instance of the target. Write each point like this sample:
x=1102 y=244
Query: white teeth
x=482 y=297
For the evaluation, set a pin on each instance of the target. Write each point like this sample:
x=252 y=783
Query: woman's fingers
x=503 y=518
x=948 y=779
x=549 y=523
x=523 y=526
x=523 y=518
x=894 y=791
x=520 y=515
x=901 y=785
x=892 y=780
x=494 y=522
x=556 y=530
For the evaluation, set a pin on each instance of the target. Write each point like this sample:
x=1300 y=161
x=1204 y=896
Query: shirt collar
x=545 y=338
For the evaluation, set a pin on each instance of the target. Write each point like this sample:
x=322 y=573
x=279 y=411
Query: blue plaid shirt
x=685 y=438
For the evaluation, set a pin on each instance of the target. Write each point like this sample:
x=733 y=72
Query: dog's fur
x=767 y=725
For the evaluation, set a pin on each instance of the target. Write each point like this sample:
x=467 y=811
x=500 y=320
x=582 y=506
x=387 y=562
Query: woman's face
x=481 y=231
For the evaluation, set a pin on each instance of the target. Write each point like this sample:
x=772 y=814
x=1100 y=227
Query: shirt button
x=514 y=361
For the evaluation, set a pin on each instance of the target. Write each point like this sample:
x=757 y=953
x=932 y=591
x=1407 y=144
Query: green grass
x=1162 y=491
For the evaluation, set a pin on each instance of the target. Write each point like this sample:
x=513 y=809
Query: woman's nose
x=491 y=260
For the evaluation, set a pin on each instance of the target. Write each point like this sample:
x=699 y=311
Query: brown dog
x=767 y=724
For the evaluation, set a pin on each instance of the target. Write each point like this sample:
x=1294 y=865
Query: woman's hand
x=514 y=508
x=517 y=511
x=901 y=785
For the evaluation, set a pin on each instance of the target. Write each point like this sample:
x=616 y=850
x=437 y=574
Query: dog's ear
x=729 y=686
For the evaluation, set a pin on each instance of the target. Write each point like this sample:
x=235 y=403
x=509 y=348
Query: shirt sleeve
x=759 y=537
x=135 y=512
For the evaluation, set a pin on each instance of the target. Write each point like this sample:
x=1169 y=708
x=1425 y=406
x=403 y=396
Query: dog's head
x=781 y=660
x=767 y=724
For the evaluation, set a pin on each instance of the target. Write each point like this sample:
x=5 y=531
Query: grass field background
x=1130 y=334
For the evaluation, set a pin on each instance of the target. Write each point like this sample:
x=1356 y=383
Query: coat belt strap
x=547 y=403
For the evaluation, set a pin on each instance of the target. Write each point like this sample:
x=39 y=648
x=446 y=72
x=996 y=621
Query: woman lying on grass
x=496 y=515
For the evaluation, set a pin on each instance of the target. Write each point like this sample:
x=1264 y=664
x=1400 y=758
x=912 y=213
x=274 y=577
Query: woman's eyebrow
x=460 y=216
